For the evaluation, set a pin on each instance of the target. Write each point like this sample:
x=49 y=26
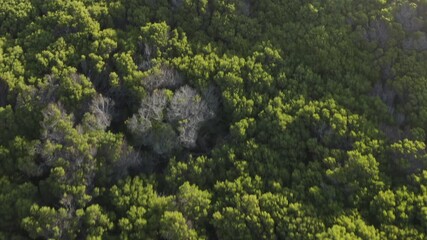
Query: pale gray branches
x=100 y=114
x=167 y=120
x=163 y=77
x=189 y=110
x=147 y=126
x=151 y=109
x=55 y=118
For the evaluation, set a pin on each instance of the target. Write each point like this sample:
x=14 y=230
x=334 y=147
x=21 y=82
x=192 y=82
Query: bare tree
x=59 y=148
x=129 y=158
x=152 y=108
x=189 y=110
x=212 y=98
x=138 y=126
x=163 y=77
x=148 y=127
x=54 y=115
x=146 y=62
x=188 y=133
x=186 y=104
x=102 y=109
x=48 y=91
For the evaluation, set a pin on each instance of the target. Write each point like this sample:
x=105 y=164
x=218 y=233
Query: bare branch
x=190 y=110
x=102 y=108
x=165 y=77
x=152 y=107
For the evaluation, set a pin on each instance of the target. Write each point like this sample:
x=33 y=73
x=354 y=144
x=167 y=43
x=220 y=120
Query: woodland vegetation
x=213 y=119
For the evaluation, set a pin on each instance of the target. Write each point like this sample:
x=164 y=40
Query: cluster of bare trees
x=166 y=119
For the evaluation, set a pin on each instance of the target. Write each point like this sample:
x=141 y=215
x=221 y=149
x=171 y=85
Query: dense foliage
x=213 y=119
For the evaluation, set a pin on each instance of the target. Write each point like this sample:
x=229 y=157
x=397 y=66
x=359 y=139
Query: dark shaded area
x=4 y=90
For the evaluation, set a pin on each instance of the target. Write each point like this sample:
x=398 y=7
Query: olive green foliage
x=213 y=119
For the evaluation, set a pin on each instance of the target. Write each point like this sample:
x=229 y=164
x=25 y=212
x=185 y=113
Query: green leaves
x=50 y=223
x=197 y=119
x=15 y=200
x=96 y=222
x=14 y=15
x=174 y=226
x=195 y=204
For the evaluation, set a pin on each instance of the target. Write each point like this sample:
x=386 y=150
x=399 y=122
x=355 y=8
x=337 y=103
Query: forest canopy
x=213 y=119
